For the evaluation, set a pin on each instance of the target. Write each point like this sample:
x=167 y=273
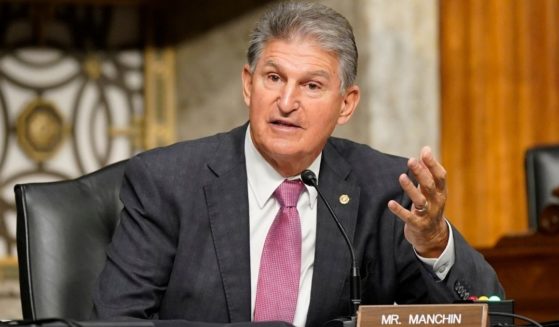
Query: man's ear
x=349 y=104
x=246 y=77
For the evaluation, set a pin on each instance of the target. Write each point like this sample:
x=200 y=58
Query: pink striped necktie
x=280 y=265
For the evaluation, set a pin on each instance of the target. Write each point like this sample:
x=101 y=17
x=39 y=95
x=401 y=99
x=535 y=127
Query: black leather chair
x=63 y=229
x=542 y=176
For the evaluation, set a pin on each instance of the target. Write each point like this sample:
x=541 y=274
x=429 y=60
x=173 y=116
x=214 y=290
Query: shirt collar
x=264 y=179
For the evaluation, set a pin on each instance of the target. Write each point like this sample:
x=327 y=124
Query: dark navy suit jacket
x=181 y=250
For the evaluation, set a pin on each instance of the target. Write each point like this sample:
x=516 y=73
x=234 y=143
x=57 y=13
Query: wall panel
x=499 y=85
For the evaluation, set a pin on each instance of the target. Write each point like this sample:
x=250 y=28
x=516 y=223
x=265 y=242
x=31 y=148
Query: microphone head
x=309 y=177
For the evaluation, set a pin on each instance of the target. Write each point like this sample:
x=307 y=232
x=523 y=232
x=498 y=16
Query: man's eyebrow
x=271 y=63
x=318 y=72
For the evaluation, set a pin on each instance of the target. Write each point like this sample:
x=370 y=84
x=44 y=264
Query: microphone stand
x=310 y=179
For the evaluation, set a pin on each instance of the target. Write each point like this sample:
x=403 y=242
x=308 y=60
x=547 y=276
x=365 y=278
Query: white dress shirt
x=263 y=208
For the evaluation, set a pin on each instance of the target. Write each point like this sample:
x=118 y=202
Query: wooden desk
x=528 y=267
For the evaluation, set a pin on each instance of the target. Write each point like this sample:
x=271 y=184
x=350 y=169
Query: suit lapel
x=227 y=203
x=332 y=258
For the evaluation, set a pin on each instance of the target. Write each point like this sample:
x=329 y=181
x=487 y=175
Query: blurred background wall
x=86 y=83
x=499 y=96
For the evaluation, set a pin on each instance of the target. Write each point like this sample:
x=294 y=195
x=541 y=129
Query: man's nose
x=289 y=98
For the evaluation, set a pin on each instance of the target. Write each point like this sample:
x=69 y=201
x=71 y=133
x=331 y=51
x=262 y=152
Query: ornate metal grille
x=71 y=94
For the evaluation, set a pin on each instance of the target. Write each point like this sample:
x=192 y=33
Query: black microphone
x=309 y=178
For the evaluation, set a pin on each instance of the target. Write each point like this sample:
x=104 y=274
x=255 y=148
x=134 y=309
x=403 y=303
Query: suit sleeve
x=470 y=275
x=140 y=256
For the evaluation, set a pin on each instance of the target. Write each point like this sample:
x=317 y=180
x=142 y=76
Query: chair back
x=63 y=229
x=542 y=177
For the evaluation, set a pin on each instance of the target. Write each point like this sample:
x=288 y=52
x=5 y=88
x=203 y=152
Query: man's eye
x=313 y=86
x=273 y=77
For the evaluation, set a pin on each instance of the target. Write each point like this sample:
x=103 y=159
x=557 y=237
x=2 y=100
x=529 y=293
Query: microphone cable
x=513 y=315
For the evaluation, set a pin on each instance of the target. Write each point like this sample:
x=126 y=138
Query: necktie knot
x=288 y=192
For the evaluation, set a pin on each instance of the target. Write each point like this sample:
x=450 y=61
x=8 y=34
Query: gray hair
x=329 y=28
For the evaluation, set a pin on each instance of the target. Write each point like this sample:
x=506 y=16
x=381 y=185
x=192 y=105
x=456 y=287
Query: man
x=194 y=240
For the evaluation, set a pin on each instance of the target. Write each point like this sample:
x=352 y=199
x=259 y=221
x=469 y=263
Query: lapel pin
x=344 y=199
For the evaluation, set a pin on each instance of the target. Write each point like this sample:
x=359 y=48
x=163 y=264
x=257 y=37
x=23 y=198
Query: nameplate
x=452 y=315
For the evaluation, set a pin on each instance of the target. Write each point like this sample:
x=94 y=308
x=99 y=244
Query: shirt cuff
x=441 y=265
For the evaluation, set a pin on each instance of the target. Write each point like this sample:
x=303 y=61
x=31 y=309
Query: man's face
x=295 y=102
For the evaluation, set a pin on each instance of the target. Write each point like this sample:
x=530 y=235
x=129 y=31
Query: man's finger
x=412 y=191
x=423 y=175
x=400 y=211
x=435 y=168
